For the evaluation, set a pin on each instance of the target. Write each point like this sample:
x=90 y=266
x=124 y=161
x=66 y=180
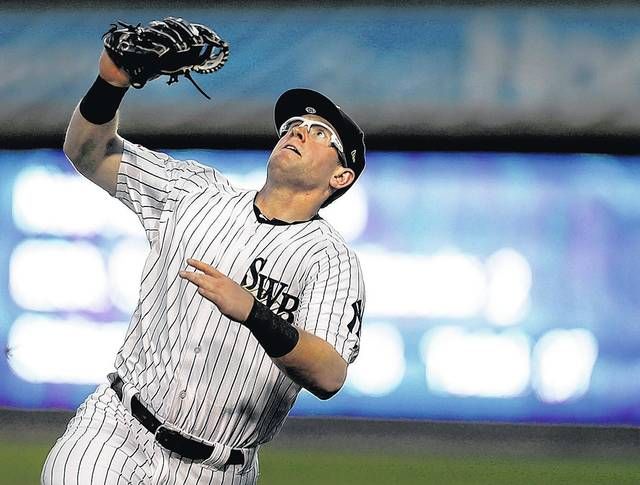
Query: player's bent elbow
x=323 y=394
x=323 y=386
x=97 y=163
x=331 y=387
x=81 y=161
x=70 y=151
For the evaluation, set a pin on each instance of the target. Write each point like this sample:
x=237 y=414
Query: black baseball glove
x=171 y=46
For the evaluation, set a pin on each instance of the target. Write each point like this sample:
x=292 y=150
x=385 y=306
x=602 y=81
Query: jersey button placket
x=182 y=394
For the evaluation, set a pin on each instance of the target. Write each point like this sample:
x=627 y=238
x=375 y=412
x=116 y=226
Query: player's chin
x=287 y=173
x=284 y=159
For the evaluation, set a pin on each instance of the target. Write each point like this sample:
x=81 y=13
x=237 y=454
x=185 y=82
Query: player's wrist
x=277 y=336
x=114 y=83
x=110 y=72
x=100 y=104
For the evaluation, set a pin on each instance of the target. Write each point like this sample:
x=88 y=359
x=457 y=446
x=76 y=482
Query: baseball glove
x=171 y=46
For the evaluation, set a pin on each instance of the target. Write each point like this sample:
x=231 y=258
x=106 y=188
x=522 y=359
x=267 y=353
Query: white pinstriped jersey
x=196 y=369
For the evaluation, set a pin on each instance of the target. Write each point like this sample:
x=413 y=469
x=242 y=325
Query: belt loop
x=219 y=456
x=249 y=457
x=128 y=391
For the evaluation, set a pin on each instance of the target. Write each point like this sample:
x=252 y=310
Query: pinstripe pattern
x=194 y=368
x=97 y=446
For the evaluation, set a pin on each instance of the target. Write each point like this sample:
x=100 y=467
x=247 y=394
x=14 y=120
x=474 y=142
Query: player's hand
x=232 y=300
x=112 y=73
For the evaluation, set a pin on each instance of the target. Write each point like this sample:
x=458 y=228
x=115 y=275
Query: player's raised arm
x=178 y=47
x=92 y=143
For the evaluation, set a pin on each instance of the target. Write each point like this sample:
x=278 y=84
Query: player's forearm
x=315 y=365
x=92 y=143
x=306 y=359
x=87 y=144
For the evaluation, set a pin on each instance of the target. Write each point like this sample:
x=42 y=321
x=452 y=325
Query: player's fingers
x=187 y=275
x=195 y=278
x=204 y=267
x=201 y=280
x=198 y=264
x=208 y=294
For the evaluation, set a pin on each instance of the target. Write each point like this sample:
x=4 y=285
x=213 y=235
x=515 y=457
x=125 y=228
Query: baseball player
x=246 y=297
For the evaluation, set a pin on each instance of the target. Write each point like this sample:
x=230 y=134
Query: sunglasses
x=319 y=131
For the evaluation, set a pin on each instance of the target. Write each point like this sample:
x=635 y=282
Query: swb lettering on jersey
x=270 y=290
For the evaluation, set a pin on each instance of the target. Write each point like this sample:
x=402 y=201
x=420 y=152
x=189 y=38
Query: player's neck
x=287 y=205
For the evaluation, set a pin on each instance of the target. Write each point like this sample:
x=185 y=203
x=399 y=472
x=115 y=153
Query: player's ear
x=342 y=178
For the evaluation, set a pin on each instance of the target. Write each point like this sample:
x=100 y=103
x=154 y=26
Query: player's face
x=307 y=154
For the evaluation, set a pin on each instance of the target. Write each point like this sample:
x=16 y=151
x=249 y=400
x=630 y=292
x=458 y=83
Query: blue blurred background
x=500 y=287
x=498 y=220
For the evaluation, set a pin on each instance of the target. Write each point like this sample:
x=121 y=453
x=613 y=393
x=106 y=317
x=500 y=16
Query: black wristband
x=101 y=102
x=277 y=336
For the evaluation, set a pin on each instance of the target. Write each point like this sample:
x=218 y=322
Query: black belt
x=171 y=440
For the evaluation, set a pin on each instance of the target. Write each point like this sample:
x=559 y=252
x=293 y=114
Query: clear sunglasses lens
x=287 y=125
x=330 y=136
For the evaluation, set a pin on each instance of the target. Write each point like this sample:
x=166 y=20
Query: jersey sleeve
x=150 y=183
x=333 y=299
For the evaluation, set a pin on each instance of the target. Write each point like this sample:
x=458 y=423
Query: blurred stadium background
x=498 y=225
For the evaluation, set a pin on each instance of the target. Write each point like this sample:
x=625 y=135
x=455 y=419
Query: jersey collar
x=277 y=222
